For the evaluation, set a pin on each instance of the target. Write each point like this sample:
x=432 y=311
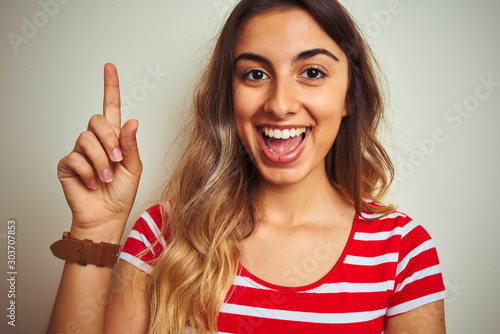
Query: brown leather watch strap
x=85 y=251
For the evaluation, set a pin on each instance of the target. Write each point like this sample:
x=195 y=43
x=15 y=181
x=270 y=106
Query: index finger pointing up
x=111 y=105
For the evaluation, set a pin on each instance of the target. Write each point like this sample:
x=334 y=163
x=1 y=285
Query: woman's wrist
x=97 y=234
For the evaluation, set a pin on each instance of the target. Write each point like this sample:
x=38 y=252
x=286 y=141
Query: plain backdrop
x=440 y=59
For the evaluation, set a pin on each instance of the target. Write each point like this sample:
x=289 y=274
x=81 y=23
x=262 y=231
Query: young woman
x=271 y=222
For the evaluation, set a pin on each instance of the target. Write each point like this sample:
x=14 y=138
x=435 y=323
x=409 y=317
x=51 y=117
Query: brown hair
x=212 y=187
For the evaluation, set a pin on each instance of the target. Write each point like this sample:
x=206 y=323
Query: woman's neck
x=310 y=201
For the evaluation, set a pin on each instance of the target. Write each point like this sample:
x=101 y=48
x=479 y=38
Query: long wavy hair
x=212 y=191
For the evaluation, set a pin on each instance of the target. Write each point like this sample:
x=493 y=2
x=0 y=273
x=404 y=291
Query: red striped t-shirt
x=389 y=266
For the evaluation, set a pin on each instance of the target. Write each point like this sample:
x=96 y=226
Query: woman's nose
x=282 y=99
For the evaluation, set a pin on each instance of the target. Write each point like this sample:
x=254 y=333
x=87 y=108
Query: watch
x=86 y=251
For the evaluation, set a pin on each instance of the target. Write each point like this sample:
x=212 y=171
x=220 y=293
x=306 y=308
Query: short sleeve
x=419 y=280
x=146 y=232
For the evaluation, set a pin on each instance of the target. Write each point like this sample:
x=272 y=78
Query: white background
x=435 y=54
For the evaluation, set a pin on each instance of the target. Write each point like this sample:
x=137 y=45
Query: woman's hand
x=101 y=175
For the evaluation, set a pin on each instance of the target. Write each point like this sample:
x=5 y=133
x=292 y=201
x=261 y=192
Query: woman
x=271 y=221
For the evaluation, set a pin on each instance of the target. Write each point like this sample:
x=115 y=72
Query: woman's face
x=289 y=91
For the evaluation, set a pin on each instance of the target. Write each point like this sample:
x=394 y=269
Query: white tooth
x=303 y=130
x=271 y=133
x=297 y=132
x=266 y=131
x=285 y=134
x=277 y=133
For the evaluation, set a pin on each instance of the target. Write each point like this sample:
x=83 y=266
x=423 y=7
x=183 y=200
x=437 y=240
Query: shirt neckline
x=243 y=272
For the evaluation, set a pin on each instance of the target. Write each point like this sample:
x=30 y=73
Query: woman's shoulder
x=395 y=224
x=394 y=218
x=156 y=213
x=146 y=240
x=417 y=273
x=154 y=217
x=150 y=222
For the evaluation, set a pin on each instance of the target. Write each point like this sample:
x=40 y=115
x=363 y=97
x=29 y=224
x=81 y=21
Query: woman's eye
x=255 y=75
x=312 y=73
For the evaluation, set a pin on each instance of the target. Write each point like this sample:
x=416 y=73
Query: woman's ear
x=347 y=110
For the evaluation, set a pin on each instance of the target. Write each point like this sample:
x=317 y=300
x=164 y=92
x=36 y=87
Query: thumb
x=128 y=145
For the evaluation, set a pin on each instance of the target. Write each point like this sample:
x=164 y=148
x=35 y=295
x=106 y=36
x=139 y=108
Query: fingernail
x=106 y=175
x=116 y=154
x=93 y=184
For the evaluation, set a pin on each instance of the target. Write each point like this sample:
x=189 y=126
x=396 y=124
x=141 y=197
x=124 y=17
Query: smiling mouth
x=283 y=141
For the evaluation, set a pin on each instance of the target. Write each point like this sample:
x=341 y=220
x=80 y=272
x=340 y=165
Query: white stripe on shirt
x=371 y=261
x=377 y=236
x=346 y=287
x=433 y=270
x=154 y=228
x=426 y=245
x=408 y=228
x=365 y=216
x=142 y=238
x=249 y=283
x=136 y=262
x=412 y=304
x=321 y=318
x=381 y=236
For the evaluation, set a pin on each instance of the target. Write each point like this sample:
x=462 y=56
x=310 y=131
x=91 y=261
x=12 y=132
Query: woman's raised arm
x=100 y=178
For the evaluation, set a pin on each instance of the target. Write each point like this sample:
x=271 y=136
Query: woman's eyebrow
x=301 y=56
x=313 y=52
x=252 y=56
